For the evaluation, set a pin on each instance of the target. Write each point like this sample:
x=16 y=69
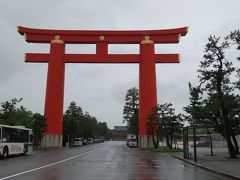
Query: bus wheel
x=5 y=152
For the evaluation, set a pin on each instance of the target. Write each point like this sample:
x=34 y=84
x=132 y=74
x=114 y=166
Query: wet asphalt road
x=103 y=161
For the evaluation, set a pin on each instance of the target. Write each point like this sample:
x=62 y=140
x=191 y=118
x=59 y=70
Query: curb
x=208 y=169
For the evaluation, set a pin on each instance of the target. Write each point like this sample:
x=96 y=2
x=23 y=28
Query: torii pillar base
x=145 y=142
x=52 y=140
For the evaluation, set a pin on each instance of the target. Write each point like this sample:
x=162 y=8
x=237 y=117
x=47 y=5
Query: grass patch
x=163 y=149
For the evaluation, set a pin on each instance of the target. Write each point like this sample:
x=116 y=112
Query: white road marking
x=48 y=165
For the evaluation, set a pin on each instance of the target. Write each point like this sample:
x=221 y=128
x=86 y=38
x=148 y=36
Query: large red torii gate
x=57 y=58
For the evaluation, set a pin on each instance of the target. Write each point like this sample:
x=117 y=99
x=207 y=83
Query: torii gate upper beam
x=109 y=37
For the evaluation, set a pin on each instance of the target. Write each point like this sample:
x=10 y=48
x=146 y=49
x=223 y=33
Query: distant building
x=120 y=133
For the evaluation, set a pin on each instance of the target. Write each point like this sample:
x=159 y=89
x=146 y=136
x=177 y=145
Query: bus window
x=22 y=136
x=15 y=135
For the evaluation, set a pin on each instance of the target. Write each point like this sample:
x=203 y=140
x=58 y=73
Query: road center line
x=48 y=165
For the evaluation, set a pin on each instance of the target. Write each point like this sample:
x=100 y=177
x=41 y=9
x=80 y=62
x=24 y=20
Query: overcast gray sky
x=100 y=88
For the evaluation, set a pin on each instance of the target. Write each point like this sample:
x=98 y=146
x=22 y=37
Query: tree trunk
x=227 y=126
x=171 y=140
x=235 y=144
x=167 y=141
x=154 y=142
x=231 y=149
x=153 y=134
x=210 y=138
x=226 y=120
x=137 y=140
x=227 y=131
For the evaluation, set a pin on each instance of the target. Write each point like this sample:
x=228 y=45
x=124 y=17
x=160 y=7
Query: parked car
x=77 y=142
x=132 y=143
x=131 y=140
x=98 y=140
x=84 y=142
x=90 y=141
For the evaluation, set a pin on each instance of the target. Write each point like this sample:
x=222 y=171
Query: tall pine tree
x=214 y=76
x=131 y=110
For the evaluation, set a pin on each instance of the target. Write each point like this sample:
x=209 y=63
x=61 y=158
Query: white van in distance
x=77 y=142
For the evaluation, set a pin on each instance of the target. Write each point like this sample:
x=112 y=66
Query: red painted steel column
x=55 y=91
x=147 y=85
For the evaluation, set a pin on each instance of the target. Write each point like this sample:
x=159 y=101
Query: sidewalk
x=220 y=163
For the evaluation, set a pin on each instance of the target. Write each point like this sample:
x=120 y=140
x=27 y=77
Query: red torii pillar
x=57 y=58
x=147 y=88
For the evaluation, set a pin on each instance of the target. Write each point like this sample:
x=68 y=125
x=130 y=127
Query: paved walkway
x=219 y=163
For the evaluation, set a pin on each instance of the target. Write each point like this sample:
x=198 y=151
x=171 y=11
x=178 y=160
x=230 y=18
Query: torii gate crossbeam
x=57 y=58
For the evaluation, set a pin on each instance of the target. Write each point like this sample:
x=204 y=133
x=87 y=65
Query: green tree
x=23 y=117
x=214 y=76
x=109 y=134
x=38 y=128
x=74 y=110
x=195 y=108
x=72 y=122
x=79 y=124
x=90 y=127
x=204 y=112
x=163 y=123
x=233 y=106
x=7 y=112
x=131 y=110
x=234 y=38
x=154 y=126
x=102 y=129
x=11 y=115
x=70 y=128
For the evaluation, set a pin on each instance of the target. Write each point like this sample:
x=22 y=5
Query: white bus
x=15 y=140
